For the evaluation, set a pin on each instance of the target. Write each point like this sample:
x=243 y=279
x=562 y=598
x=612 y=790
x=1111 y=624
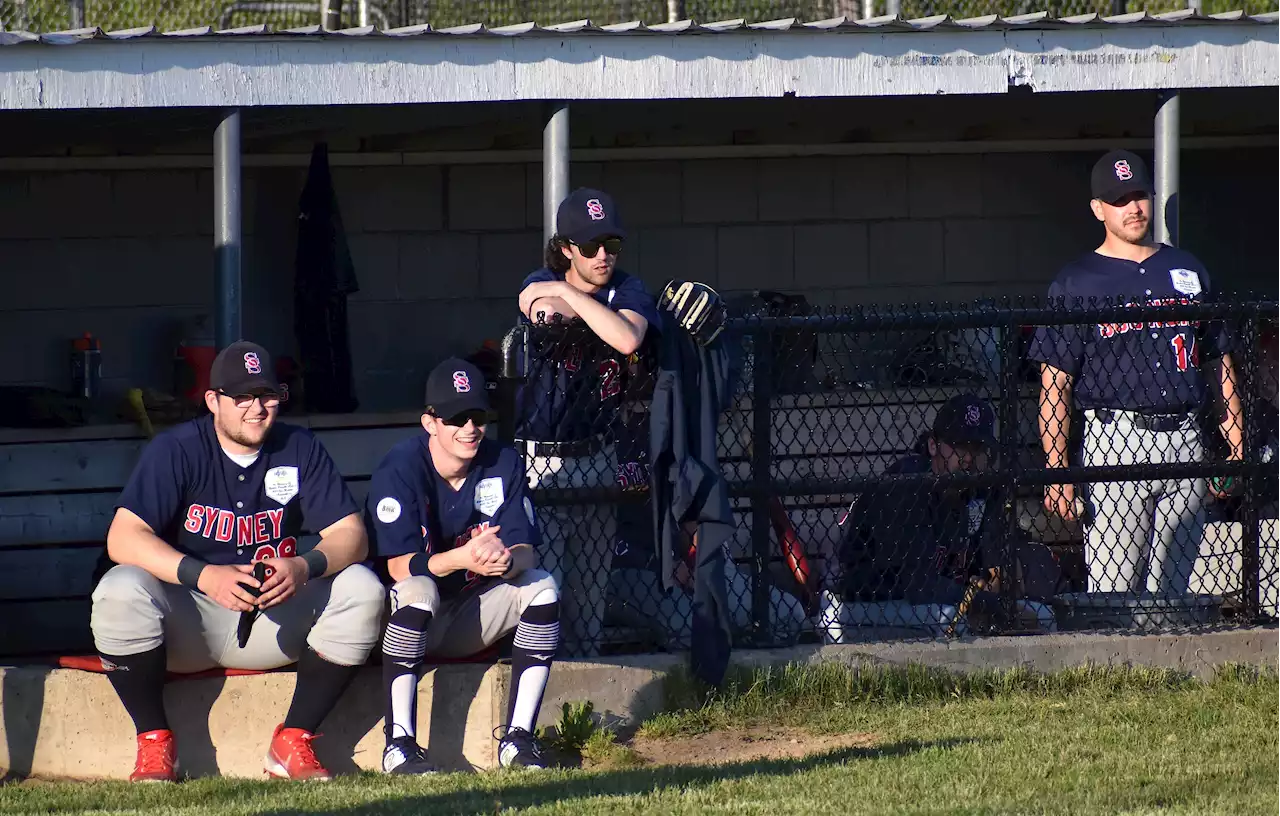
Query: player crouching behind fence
x=207 y=500
x=455 y=531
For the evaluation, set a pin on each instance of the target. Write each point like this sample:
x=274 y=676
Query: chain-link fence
x=896 y=485
x=173 y=15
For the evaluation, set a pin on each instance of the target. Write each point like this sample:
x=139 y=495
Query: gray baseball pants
x=340 y=617
x=476 y=618
x=1145 y=535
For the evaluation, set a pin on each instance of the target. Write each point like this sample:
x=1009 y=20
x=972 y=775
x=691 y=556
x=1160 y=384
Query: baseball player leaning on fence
x=1142 y=389
x=569 y=405
x=206 y=500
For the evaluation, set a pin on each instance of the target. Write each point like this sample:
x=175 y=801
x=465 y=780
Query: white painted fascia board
x=260 y=71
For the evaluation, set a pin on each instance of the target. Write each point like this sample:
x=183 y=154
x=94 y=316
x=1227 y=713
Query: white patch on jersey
x=388 y=510
x=489 y=495
x=281 y=483
x=1185 y=281
x=976 y=508
x=528 y=510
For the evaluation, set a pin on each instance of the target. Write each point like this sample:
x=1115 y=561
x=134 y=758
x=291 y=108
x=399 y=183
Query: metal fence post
x=1010 y=358
x=761 y=477
x=76 y=8
x=1246 y=376
x=226 y=229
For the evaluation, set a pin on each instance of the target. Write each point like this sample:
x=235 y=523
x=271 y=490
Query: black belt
x=564 y=450
x=1159 y=423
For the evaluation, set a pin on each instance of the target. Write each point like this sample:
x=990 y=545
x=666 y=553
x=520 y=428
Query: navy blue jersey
x=204 y=504
x=1151 y=368
x=411 y=509
x=576 y=381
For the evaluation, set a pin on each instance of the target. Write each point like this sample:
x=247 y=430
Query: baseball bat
x=971 y=589
x=245 y=625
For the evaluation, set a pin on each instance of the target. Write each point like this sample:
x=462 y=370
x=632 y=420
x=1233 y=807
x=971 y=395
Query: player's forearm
x=343 y=543
x=1232 y=425
x=608 y=325
x=1055 y=416
x=551 y=306
x=447 y=562
x=142 y=548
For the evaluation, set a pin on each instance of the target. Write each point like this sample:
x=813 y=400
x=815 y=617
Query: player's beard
x=251 y=436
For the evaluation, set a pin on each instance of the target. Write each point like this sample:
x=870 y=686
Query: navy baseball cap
x=455 y=387
x=243 y=368
x=586 y=215
x=965 y=420
x=1118 y=174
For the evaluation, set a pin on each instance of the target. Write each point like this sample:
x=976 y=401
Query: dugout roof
x=887 y=56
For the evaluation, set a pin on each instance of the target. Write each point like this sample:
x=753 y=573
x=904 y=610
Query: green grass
x=1080 y=741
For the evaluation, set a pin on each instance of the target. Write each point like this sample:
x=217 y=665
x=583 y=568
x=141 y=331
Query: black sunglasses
x=590 y=249
x=478 y=417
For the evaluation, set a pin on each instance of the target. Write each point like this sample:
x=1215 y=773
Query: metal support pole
x=226 y=229
x=363 y=7
x=76 y=7
x=555 y=166
x=868 y=9
x=675 y=11
x=1250 y=556
x=1165 y=207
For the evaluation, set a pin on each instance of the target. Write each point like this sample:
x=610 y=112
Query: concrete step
x=69 y=723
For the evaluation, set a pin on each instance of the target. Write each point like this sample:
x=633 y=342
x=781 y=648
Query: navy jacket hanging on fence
x=686 y=484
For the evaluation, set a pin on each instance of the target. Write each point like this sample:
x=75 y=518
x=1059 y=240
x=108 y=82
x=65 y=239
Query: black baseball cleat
x=520 y=749
x=405 y=756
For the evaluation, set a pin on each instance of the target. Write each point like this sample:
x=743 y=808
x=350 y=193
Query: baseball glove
x=698 y=308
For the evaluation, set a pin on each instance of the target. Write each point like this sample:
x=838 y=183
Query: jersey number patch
x=287 y=548
x=1185 y=352
x=610 y=379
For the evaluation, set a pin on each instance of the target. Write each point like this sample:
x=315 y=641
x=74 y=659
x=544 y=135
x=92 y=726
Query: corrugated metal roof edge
x=586 y=27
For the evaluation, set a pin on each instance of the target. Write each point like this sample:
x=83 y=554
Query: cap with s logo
x=1119 y=174
x=586 y=215
x=455 y=387
x=243 y=368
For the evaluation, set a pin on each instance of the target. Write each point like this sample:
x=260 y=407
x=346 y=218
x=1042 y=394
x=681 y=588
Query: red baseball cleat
x=157 y=758
x=291 y=756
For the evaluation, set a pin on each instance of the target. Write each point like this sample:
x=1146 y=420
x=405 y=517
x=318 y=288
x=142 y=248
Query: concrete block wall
x=440 y=251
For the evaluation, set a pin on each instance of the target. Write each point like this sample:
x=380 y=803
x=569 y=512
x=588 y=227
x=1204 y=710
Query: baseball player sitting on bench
x=208 y=499
x=454 y=532
x=569 y=406
x=922 y=543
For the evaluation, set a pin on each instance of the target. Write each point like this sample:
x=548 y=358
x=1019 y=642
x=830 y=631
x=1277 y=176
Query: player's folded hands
x=222 y=583
x=284 y=576
x=488 y=555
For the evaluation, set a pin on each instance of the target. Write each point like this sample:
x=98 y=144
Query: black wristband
x=317 y=563
x=418 y=564
x=189 y=570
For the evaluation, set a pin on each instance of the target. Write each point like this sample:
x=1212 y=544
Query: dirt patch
x=743 y=746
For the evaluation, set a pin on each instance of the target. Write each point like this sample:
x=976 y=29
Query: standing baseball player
x=207 y=500
x=454 y=532
x=568 y=408
x=1143 y=390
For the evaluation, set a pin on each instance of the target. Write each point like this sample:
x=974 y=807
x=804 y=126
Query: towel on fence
x=687 y=486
